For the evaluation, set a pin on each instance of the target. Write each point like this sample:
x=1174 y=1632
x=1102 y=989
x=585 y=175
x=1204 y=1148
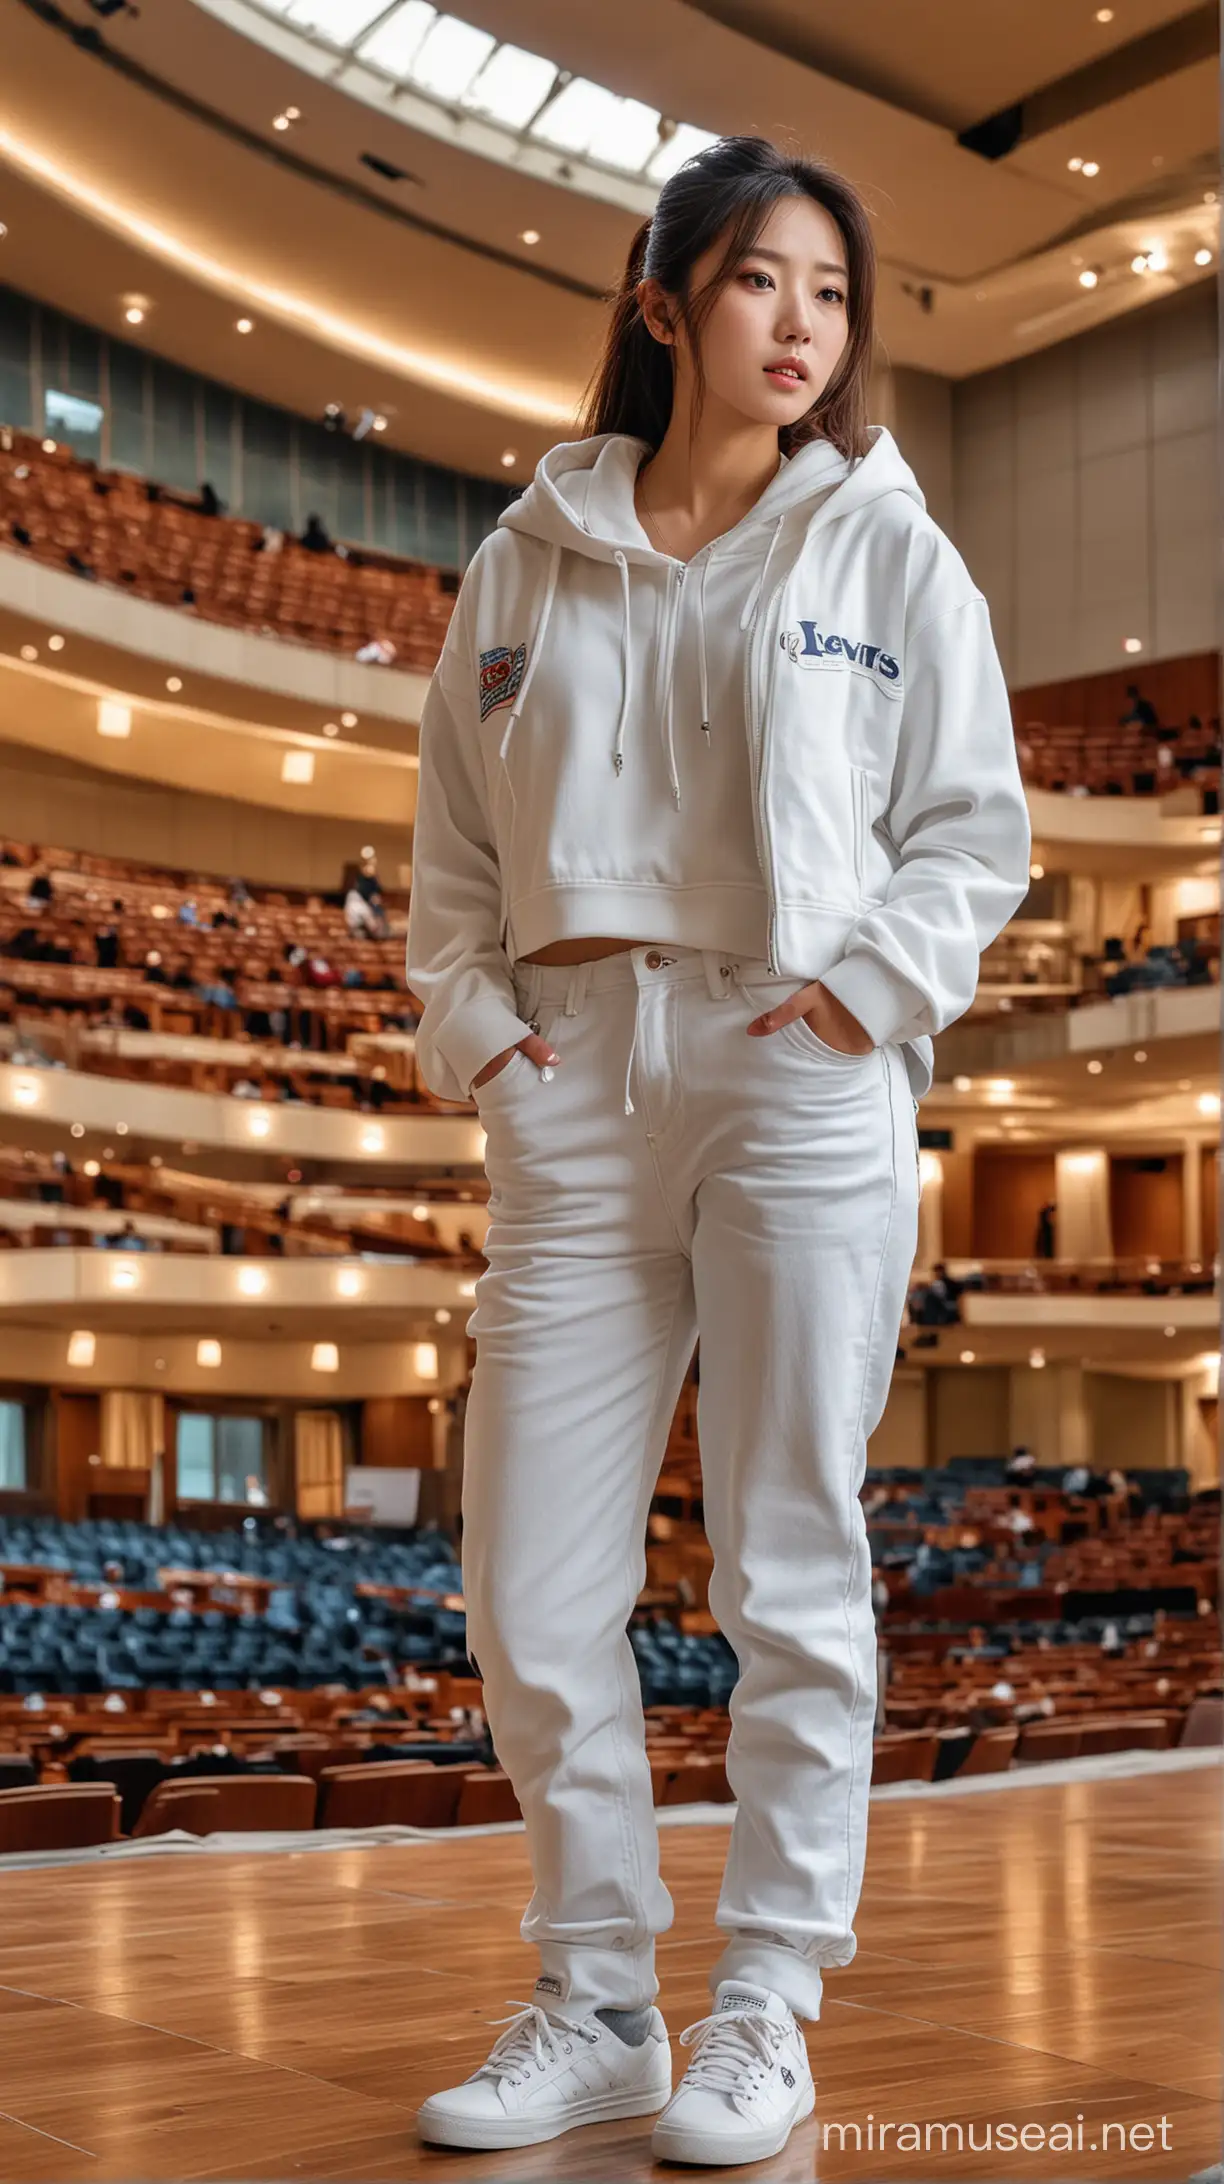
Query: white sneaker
x=545 y=2075
x=748 y=2085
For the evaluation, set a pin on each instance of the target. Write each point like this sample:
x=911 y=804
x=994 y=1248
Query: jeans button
x=653 y=960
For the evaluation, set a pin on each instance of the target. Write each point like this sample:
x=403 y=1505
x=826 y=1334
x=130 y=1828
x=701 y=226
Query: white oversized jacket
x=891 y=826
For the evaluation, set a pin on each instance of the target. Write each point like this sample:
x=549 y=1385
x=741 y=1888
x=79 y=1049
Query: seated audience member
x=359 y=916
x=41 y=890
x=315 y=537
x=376 y=652
x=1141 y=713
x=106 y=941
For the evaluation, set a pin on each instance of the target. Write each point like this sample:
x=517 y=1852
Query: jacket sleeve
x=960 y=823
x=456 y=964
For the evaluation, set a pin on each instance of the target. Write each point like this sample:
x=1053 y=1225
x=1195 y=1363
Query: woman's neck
x=712 y=481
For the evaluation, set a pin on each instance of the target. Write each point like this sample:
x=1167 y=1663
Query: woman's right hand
x=536 y=1048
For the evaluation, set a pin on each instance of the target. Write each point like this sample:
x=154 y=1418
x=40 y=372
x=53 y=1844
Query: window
x=69 y=417
x=12 y=1445
x=220 y=1458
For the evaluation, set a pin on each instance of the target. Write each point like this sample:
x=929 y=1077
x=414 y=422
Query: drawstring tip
x=629 y=1108
x=617 y=762
x=705 y=730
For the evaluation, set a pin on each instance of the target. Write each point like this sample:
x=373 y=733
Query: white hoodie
x=891 y=832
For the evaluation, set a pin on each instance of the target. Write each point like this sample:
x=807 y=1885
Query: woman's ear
x=653 y=304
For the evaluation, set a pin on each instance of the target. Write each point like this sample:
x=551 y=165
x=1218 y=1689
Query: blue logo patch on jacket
x=501 y=672
x=810 y=646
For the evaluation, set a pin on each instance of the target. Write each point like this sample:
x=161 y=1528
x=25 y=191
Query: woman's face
x=786 y=300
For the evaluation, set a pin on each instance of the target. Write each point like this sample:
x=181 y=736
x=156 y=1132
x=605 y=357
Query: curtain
x=133 y=1429
x=319 y=1463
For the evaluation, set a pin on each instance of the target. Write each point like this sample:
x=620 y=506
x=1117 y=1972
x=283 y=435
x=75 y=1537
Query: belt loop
x=718 y=972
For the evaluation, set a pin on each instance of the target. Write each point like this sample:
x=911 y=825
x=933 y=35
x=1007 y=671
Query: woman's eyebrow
x=778 y=257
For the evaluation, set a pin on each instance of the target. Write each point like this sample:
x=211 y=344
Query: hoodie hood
x=581 y=496
x=581 y=501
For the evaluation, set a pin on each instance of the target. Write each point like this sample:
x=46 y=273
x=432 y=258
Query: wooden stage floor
x=1034 y=1956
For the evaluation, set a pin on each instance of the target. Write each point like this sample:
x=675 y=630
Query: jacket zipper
x=858 y=780
x=760 y=822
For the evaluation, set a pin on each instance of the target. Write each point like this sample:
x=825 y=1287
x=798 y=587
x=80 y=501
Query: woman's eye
x=759 y=277
x=832 y=295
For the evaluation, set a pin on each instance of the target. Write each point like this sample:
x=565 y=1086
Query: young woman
x=718 y=807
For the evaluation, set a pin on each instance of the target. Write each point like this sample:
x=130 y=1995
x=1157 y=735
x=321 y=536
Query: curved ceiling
x=137 y=155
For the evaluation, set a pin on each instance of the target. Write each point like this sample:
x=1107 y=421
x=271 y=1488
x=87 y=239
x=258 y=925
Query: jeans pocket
x=810 y=1041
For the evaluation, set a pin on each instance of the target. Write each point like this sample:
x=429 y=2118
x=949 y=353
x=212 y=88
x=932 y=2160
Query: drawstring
x=701 y=654
x=637 y=1006
x=759 y=586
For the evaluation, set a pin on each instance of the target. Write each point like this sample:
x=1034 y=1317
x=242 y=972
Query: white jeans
x=762 y=1194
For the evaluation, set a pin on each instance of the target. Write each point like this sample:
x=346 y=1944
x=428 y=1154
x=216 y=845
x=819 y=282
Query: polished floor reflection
x=1045 y=1958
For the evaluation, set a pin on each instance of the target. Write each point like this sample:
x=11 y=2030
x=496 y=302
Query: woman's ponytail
x=631 y=388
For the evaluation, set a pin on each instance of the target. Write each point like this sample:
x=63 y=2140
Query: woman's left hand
x=823 y=1013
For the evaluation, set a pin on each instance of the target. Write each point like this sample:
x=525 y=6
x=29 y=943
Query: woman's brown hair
x=732 y=185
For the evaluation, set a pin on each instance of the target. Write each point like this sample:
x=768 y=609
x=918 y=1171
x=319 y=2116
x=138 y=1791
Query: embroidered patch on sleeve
x=501 y=672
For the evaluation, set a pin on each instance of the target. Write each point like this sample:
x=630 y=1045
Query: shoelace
x=729 y=2045
x=531 y=2041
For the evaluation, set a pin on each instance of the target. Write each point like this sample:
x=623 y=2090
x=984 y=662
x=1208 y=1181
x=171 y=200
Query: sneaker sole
x=723 y=2149
x=490 y=2133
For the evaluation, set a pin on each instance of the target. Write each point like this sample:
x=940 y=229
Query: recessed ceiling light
x=962 y=1084
x=1090 y=167
x=529 y=236
x=1095 y=1068
x=1089 y=277
x=1074 y=165
x=1141 y=1054
x=114 y=719
x=1133 y=644
x=174 y=682
x=1036 y=872
x=55 y=644
x=280 y=121
x=509 y=457
x=244 y=326
x=967 y=1356
x=3 y=231
x=380 y=423
x=29 y=652
x=48 y=447
x=293 y=113
x=1202 y=257
x=298 y=767
x=134 y=314
x=1209 y=197
x=331 y=727
x=348 y=720
x=1104 y=15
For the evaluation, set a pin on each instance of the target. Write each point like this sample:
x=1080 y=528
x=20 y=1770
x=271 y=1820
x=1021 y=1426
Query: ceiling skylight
x=472 y=79
x=511 y=87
